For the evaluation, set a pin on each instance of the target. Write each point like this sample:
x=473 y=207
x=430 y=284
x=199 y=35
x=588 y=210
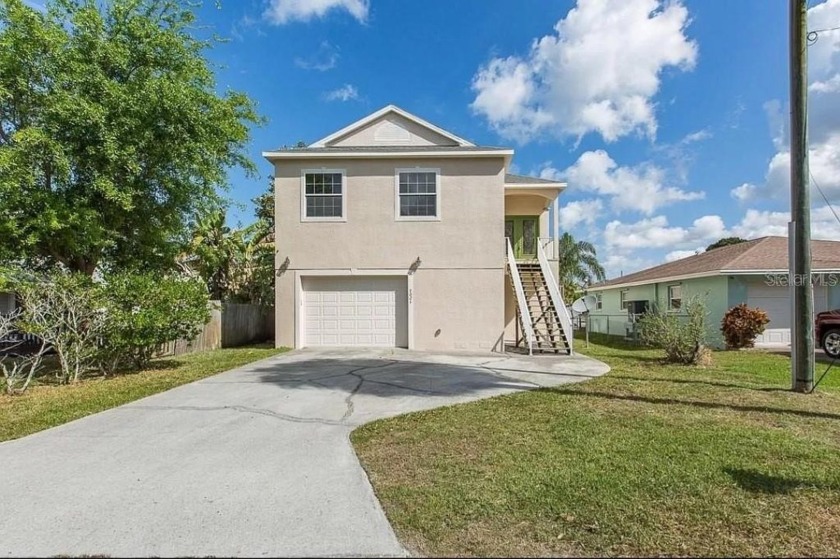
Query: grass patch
x=651 y=459
x=46 y=404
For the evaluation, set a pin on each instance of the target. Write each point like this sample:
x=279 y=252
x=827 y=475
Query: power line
x=824 y=197
x=815 y=34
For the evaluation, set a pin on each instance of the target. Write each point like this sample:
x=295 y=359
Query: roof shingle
x=765 y=254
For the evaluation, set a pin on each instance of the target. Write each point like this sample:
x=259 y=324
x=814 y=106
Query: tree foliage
x=112 y=134
x=741 y=325
x=144 y=311
x=726 y=241
x=236 y=264
x=682 y=335
x=578 y=265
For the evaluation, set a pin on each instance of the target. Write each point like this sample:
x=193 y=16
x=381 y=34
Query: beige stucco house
x=394 y=232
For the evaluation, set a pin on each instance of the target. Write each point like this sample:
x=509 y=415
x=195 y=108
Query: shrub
x=63 y=309
x=18 y=367
x=145 y=311
x=682 y=335
x=741 y=324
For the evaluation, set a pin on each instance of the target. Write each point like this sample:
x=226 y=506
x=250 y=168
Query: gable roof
x=762 y=255
x=389 y=109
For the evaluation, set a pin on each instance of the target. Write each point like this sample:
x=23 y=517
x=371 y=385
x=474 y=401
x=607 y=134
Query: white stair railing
x=521 y=302
x=556 y=298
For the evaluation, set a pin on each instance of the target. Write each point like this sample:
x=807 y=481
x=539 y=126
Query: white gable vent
x=391 y=132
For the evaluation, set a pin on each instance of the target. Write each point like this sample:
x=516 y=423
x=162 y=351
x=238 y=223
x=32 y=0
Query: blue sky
x=667 y=119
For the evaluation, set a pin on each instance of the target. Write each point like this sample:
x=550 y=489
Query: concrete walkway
x=252 y=462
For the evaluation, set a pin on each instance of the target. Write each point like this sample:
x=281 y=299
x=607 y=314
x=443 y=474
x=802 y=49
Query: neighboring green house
x=754 y=272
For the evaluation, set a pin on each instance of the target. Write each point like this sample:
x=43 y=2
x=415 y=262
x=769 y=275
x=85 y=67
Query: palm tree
x=578 y=266
x=215 y=252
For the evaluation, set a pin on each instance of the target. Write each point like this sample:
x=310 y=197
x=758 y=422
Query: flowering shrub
x=741 y=324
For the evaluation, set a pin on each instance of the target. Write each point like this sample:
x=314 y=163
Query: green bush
x=145 y=311
x=741 y=324
x=682 y=335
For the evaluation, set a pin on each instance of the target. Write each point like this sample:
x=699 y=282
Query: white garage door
x=775 y=301
x=355 y=311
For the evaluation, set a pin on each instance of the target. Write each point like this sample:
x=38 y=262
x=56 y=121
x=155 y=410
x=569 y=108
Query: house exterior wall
x=611 y=318
x=458 y=287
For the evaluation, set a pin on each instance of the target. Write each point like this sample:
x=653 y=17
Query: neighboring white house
x=754 y=272
x=392 y=232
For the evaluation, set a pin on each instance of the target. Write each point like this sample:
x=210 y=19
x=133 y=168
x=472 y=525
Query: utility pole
x=802 y=331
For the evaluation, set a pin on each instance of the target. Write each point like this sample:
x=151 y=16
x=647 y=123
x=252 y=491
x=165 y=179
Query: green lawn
x=46 y=405
x=648 y=460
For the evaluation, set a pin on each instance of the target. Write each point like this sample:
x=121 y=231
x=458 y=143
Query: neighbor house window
x=622 y=299
x=323 y=196
x=674 y=297
x=418 y=194
x=598 y=304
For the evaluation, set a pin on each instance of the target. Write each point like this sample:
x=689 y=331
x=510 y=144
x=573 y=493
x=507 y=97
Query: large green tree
x=724 y=242
x=112 y=133
x=578 y=266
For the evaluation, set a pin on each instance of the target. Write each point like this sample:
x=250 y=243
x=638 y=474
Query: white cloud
x=656 y=233
x=580 y=212
x=744 y=192
x=280 y=12
x=823 y=121
x=641 y=188
x=758 y=223
x=598 y=72
x=346 y=92
x=325 y=58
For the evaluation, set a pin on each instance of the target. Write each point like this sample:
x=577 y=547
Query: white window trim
x=668 y=294
x=397 y=215
x=622 y=299
x=599 y=304
x=303 y=216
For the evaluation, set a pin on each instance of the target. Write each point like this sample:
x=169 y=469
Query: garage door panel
x=366 y=311
x=775 y=301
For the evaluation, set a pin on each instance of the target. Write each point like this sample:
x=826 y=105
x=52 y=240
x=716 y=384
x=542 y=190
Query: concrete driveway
x=252 y=462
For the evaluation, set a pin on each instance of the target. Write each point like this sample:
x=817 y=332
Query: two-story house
x=394 y=232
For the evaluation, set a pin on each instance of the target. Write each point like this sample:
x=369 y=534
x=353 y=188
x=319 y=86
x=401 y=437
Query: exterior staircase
x=545 y=321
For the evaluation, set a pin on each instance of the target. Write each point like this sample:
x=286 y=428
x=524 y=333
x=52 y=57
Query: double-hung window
x=418 y=194
x=674 y=297
x=323 y=196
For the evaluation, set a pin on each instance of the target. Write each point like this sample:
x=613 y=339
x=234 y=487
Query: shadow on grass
x=706 y=383
x=695 y=403
x=757 y=482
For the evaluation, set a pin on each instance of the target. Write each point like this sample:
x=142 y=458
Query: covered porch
x=531 y=233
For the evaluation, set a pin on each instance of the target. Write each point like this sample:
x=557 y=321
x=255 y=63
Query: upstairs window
x=323 y=196
x=418 y=194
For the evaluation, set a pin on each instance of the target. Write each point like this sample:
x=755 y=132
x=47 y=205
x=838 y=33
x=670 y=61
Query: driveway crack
x=243 y=409
x=348 y=401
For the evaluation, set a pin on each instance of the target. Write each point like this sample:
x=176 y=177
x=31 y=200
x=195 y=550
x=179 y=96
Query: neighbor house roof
x=761 y=256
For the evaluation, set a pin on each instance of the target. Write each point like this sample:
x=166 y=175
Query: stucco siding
x=458 y=295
